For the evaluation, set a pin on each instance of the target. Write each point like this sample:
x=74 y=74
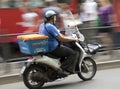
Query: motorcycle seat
x=52 y=56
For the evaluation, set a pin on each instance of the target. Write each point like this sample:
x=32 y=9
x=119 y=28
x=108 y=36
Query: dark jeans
x=72 y=57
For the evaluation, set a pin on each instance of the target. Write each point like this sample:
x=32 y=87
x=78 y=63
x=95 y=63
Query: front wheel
x=87 y=69
x=29 y=77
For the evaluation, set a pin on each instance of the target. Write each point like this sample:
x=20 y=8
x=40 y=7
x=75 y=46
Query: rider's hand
x=76 y=40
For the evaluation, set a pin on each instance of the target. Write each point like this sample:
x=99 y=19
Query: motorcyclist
x=54 y=38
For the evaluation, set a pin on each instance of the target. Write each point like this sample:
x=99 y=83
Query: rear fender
x=48 y=61
x=39 y=60
x=26 y=65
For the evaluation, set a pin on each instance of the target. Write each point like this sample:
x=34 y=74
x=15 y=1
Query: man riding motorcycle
x=55 y=48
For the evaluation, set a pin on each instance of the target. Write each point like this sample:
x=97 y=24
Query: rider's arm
x=54 y=31
x=62 y=38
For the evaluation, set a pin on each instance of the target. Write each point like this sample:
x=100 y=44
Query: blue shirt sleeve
x=53 y=30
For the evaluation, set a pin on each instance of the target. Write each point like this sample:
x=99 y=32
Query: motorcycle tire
x=88 y=69
x=27 y=77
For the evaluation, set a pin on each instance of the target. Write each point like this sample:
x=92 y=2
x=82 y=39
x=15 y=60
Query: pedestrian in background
x=88 y=15
x=106 y=18
x=30 y=19
x=11 y=3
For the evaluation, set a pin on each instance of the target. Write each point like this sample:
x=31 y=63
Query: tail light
x=30 y=57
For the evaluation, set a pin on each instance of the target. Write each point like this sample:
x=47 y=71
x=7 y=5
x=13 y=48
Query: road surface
x=104 y=79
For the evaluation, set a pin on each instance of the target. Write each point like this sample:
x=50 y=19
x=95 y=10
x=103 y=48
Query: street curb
x=7 y=79
x=108 y=64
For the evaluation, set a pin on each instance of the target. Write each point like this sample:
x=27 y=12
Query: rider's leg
x=72 y=56
x=70 y=63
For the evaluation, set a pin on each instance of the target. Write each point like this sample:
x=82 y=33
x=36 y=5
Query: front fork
x=83 y=55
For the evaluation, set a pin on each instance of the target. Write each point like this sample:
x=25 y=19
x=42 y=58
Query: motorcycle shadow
x=65 y=83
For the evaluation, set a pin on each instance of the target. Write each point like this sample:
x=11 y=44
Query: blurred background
x=99 y=22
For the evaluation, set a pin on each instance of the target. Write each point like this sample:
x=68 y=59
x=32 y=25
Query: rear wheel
x=87 y=69
x=30 y=79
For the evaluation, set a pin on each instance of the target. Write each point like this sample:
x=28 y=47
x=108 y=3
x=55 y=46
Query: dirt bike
x=40 y=69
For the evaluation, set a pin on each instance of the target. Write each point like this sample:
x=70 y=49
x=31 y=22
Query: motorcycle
x=40 y=69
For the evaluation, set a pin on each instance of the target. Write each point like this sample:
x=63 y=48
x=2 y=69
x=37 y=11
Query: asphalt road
x=104 y=79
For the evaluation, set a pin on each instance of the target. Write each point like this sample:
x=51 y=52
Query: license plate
x=22 y=70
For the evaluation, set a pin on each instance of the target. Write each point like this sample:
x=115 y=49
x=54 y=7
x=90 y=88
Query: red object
x=74 y=6
x=116 y=5
x=9 y=18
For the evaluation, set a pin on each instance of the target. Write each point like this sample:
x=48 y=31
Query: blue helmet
x=49 y=13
